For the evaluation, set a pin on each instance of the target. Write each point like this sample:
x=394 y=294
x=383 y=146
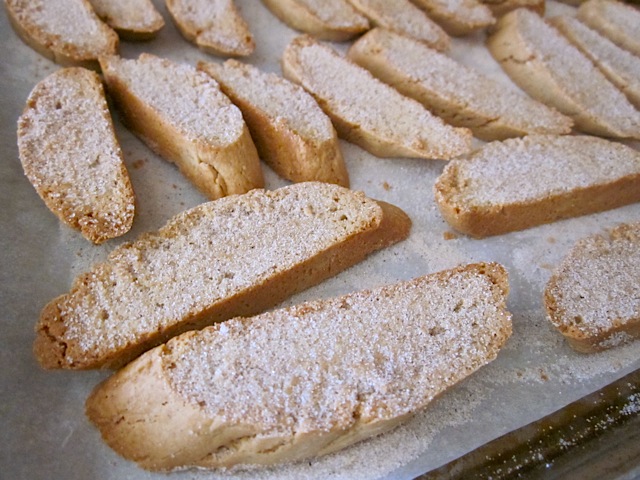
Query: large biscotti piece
x=215 y=26
x=404 y=17
x=621 y=67
x=183 y=116
x=307 y=380
x=70 y=153
x=366 y=111
x=544 y=64
x=132 y=19
x=236 y=256
x=593 y=298
x=521 y=183
x=458 y=94
x=334 y=20
x=615 y=20
x=292 y=133
x=65 y=31
x=459 y=17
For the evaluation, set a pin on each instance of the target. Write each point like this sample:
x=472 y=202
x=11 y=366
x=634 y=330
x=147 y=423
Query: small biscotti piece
x=500 y=7
x=306 y=380
x=544 y=64
x=292 y=133
x=366 y=111
x=618 y=65
x=70 y=153
x=458 y=17
x=182 y=115
x=521 y=183
x=215 y=26
x=615 y=20
x=334 y=20
x=404 y=17
x=132 y=19
x=65 y=31
x=593 y=298
x=459 y=95
x=236 y=256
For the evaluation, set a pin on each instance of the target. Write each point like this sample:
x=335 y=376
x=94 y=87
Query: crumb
x=386 y=186
x=543 y=376
x=448 y=235
x=139 y=163
x=547 y=266
x=551 y=240
x=174 y=186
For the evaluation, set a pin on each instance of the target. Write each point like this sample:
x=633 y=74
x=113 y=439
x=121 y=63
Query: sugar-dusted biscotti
x=132 y=19
x=71 y=155
x=306 y=380
x=454 y=92
x=521 y=183
x=458 y=17
x=292 y=133
x=593 y=297
x=238 y=255
x=500 y=7
x=366 y=111
x=615 y=20
x=65 y=31
x=183 y=116
x=216 y=26
x=543 y=63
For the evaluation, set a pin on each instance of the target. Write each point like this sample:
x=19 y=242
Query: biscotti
x=238 y=255
x=460 y=17
x=215 y=26
x=132 y=19
x=292 y=133
x=334 y=20
x=621 y=67
x=307 y=380
x=65 y=31
x=454 y=92
x=615 y=20
x=366 y=111
x=521 y=183
x=544 y=64
x=70 y=154
x=593 y=298
x=183 y=116
x=500 y=7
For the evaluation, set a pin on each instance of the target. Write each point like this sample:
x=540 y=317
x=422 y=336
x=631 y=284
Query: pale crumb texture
x=619 y=22
x=458 y=17
x=335 y=13
x=594 y=295
x=70 y=154
x=129 y=15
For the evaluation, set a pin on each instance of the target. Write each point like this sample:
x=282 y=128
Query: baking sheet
x=43 y=431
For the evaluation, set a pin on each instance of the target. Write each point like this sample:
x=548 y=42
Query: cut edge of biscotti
x=454 y=321
x=458 y=18
x=501 y=7
x=592 y=298
x=601 y=15
x=366 y=111
x=70 y=154
x=132 y=20
x=291 y=132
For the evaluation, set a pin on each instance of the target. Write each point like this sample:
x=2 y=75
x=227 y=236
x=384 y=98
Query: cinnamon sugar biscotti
x=615 y=20
x=183 y=116
x=132 y=19
x=366 y=111
x=307 y=380
x=521 y=183
x=593 y=298
x=544 y=64
x=238 y=255
x=70 y=154
x=458 y=17
x=454 y=92
x=292 y=133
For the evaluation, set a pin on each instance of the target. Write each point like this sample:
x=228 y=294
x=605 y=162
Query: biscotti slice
x=65 y=31
x=215 y=26
x=404 y=17
x=306 y=380
x=458 y=17
x=618 y=65
x=292 y=133
x=593 y=298
x=334 y=20
x=132 y=19
x=70 y=153
x=521 y=183
x=454 y=92
x=544 y=64
x=238 y=255
x=366 y=111
x=500 y=7
x=182 y=115
x=615 y=20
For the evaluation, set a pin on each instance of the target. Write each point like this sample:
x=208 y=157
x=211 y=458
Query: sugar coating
x=128 y=14
x=335 y=13
x=325 y=365
x=615 y=19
